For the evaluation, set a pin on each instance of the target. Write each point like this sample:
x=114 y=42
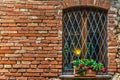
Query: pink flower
x=104 y=70
x=80 y=65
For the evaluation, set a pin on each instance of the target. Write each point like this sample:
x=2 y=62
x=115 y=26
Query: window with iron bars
x=84 y=36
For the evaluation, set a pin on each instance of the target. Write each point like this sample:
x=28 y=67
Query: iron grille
x=84 y=36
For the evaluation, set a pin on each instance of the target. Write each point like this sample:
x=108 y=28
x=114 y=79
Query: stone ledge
x=96 y=77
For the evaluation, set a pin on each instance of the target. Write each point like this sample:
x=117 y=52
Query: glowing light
x=77 y=51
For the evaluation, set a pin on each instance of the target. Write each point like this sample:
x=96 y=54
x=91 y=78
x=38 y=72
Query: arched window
x=84 y=35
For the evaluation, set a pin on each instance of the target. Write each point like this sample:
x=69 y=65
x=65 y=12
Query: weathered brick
x=26 y=62
x=43 y=66
x=1 y=66
x=31 y=42
x=21 y=66
x=53 y=62
x=21 y=70
x=3 y=70
x=45 y=62
x=33 y=66
x=3 y=78
x=34 y=70
x=7 y=51
x=7 y=62
x=6 y=21
x=26 y=59
x=7 y=66
x=31 y=74
x=13 y=74
x=13 y=55
x=46 y=7
x=13 y=70
x=49 y=74
x=32 y=24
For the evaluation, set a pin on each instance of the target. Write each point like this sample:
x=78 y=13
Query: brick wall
x=31 y=37
x=116 y=7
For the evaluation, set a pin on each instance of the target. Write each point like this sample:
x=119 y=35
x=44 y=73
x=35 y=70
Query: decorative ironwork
x=84 y=35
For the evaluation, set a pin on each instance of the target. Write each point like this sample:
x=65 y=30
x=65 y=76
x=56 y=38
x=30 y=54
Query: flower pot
x=90 y=73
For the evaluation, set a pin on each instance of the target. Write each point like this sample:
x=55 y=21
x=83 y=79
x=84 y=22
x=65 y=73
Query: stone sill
x=96 y=77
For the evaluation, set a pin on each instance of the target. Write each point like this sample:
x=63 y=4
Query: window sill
x=82 y=77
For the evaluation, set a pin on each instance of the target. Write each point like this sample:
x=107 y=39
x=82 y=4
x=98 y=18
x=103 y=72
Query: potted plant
x=87 y=67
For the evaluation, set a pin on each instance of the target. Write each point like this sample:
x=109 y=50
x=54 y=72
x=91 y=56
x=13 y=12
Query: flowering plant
x=83 y=65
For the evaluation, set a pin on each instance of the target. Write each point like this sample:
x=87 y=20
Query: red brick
x=17 y=66
x=1 y=55
x=3 y=70
x=30 y=55
x=34 y=70
x=50 y=74
x=53 y=62
x=51 y=21
x=21 y=70
x=7 y=62
x=26 y=59
x=13 y=74
x=41 y=66
x=59 y=59
x=112 y=70
x=3 y=77
x=119 y=70
x=112 y=50
x=47 y=48
x=31 y=74
x=23 y=21
x=12 y=59
x=90 y=2
x=33 y=66
x=13 y=55
x=24 y=6
x=84 y=2
x=12 y=28
x=112 y=67
x=45 y=7
x=10 y=5
x=4 y=59
x=6 y=21
x=6 y=9
x=13 y=70
x=45 y=62
x=32 y=24
x=48 y=55
x=106 y=5
x=56 y=66
x=39 y=59
x=35 y=3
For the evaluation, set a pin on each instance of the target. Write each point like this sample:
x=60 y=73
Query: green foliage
x=84 y=64
x=66 y=48
x=97 y=67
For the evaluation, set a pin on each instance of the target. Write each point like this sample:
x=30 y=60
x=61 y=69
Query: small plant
x=66 y=48
x=83 y=65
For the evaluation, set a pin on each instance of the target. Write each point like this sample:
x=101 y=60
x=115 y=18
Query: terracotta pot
x=90 y=73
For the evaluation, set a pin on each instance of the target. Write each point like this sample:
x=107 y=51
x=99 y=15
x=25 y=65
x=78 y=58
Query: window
x=84 y=35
